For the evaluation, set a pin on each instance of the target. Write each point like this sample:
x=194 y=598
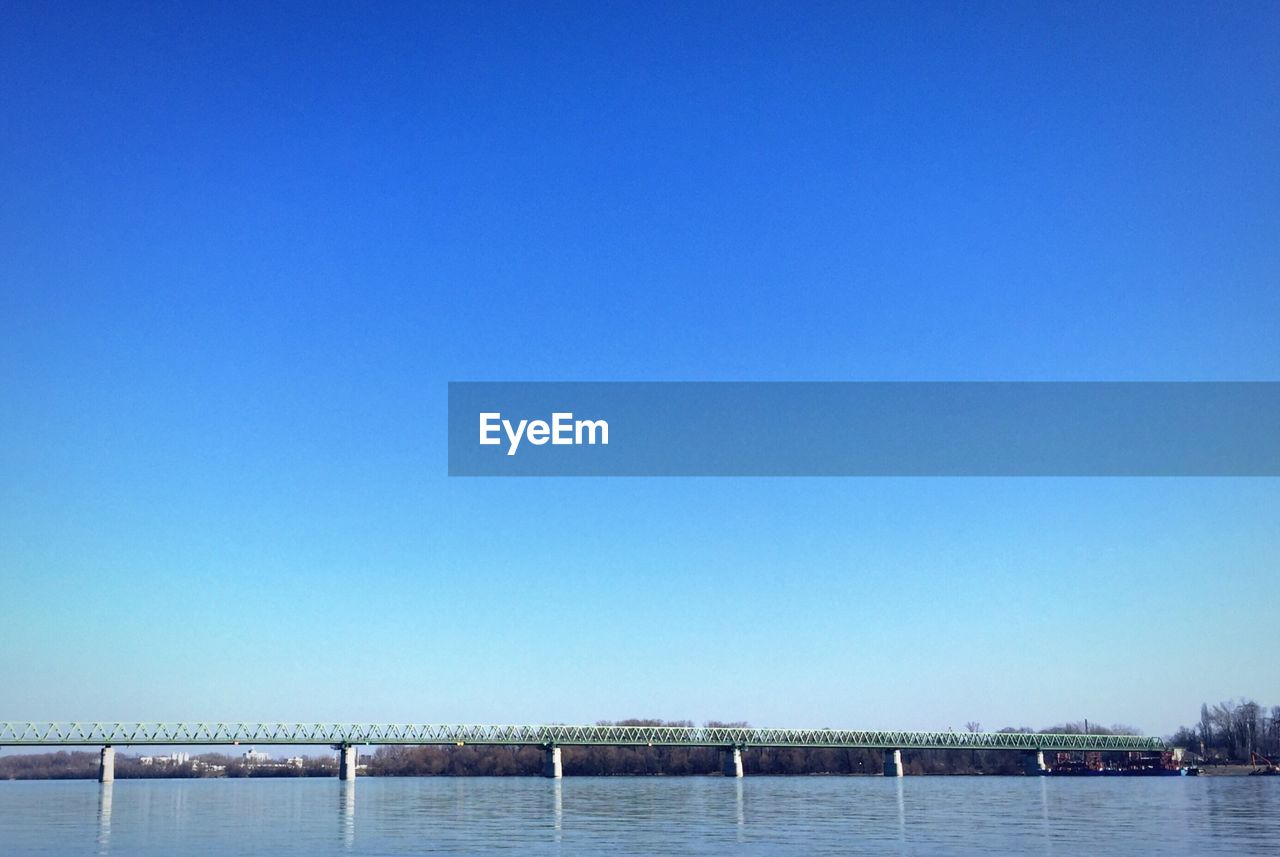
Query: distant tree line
x=1228 y=732
x=81 y=765
x=480 y=760
x=61 y=765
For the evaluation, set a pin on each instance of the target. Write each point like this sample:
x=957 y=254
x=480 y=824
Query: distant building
x=253 y=757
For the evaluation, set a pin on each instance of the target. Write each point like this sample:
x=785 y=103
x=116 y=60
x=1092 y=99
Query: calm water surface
x=762 y=815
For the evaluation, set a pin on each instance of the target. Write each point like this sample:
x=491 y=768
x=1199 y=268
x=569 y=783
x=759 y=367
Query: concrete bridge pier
x=1035 y=765
x=733 y=762
x=893 y=763
x=347 y=760
x=551 y=767
x=107 y=765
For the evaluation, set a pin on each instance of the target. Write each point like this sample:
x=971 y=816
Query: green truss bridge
x=733 y=740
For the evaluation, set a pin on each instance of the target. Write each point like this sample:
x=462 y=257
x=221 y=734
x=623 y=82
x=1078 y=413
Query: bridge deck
x=122 y=733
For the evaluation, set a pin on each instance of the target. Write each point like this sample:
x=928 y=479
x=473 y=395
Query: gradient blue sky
x=245 y=249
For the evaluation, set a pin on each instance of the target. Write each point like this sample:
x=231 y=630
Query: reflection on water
x=739 y=791
x=347 y=812
x=104 y=817
x=557 y=812
x=620 y=816
x=1044 y=816
x=902 y=814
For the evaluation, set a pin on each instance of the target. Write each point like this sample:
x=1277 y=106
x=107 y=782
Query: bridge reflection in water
x=344 y=737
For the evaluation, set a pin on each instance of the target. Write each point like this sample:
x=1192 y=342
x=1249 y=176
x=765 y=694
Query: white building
x=252 y=757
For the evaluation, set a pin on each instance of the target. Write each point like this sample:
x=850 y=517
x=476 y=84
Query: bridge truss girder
x=231 y=732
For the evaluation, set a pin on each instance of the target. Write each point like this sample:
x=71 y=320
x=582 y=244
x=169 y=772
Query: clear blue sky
x=244 y=250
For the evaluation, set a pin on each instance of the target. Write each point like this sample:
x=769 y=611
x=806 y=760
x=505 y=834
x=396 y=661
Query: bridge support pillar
x=347 y=760
x=1035 y=765
x=893 y=763
x=733 y=762
x=107 y=765
x=551 y=768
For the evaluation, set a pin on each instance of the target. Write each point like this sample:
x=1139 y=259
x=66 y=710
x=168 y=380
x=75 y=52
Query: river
x=651 y=815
